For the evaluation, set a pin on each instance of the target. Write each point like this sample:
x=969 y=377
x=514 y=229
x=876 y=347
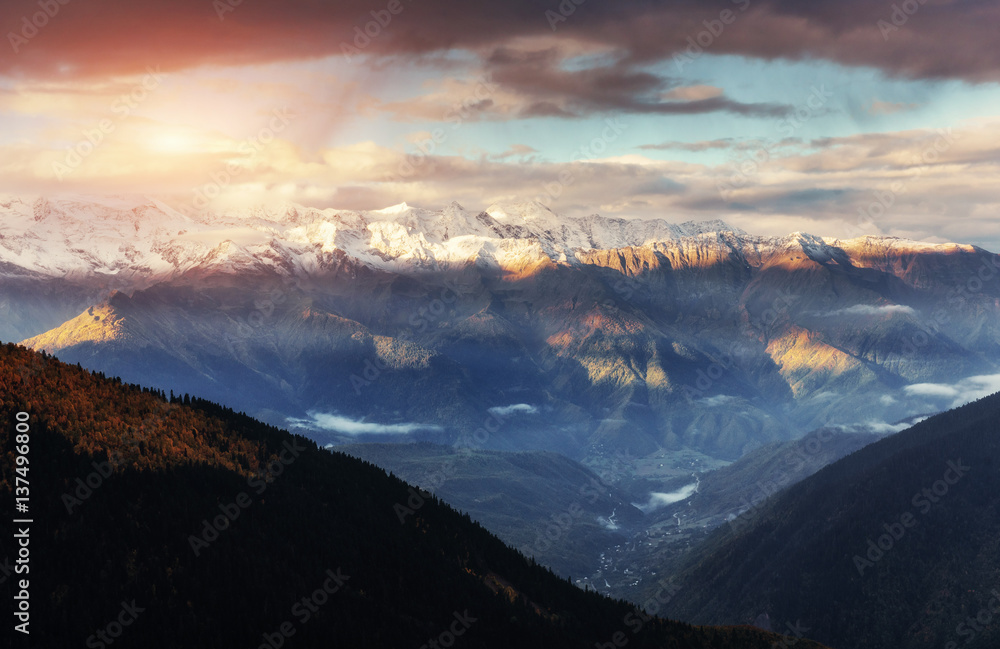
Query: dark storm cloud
x=935 y=39
x=617 y=87
x=694 y=147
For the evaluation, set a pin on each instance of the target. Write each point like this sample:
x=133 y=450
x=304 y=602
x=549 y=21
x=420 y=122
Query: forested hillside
x=896 y=545
x=173 y=522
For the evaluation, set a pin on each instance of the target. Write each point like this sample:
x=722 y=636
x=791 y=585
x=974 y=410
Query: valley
x=615 y=414
x=593 y=334
x=317 y=550
x=536 y=324
x=626 y=522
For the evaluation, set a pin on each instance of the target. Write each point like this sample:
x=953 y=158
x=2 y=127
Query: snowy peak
x=521 y=213
x=142 y=239
x=97 y=324
x=696 y=228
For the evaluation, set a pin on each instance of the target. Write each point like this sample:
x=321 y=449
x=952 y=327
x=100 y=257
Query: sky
x=838 y=118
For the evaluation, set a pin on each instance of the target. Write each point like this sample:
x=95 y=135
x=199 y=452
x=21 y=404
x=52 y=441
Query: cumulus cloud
x=518 y=82
x=366 y=175
x=694 y=147
x=872 y=310
x=659 y=499
x=874 y=426
x=347 y=426
x=520 y=150
x=108 y=37
x=693 y=93
x=504 y=411
x=931 y=390
x=885 y=428
x=717 y=400
x=815 y=186
x=956 y=394
x=888 y=108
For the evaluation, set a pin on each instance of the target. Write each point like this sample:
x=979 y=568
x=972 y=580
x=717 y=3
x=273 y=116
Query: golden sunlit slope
x=98 y=324
x=213 y=525
x=807 y=363
x=720 y=341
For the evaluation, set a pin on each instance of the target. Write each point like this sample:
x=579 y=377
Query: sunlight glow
x=174 y=142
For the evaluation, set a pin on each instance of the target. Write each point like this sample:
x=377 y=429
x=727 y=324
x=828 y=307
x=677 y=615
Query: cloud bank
x=102 y=37
x=662 y=499
x=872 y=310
x=959 y=393
x=338 y=424
x=504 y=411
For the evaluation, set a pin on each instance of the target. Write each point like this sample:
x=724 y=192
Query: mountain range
x=619 y=400
x=894 y=546
x=615 y=529
x=583 y=336
x=157 y=522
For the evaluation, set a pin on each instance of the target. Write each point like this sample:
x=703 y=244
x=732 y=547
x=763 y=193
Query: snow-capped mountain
x=595 y=332
x=141 y=240
x=138 y=241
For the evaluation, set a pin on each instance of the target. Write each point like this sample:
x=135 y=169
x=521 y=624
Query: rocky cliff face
x=605 y=333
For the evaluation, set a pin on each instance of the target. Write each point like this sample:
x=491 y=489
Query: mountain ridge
x=133 y=242
x=902 y=535
x=719 y=342
x=215 y=526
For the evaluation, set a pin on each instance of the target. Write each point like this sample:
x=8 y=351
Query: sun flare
x=173 y=142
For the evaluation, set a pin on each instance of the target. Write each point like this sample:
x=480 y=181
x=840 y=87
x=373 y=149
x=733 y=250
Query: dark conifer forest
x=168 y=521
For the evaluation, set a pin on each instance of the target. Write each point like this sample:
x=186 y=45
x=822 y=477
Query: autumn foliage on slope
x=211 y=529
